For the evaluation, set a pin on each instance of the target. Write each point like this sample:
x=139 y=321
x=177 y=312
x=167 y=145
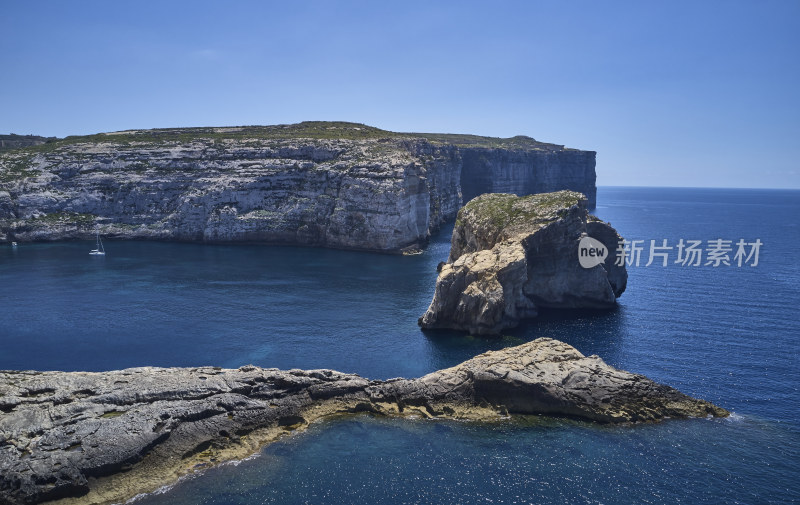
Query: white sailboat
x=98 y=250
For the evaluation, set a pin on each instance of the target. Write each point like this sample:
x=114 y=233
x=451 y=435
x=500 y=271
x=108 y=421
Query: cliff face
x=320 y=184
x=510 y=256
x=525 y=172
x=104 y=437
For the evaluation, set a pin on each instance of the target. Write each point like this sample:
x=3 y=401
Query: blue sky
x=668 y=93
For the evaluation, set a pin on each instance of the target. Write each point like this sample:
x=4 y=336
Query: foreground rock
x=510 y=256
x=328 y=184
x=104 y=437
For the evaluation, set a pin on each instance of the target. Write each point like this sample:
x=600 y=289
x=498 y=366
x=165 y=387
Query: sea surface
x=728 y=334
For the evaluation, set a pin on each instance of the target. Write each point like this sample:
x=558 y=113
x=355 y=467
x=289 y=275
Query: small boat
x=13 y=244
x=98 y=250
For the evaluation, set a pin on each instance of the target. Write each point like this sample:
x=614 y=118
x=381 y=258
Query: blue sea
x=728 y=334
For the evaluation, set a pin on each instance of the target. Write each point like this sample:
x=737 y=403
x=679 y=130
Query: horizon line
x=695 y=187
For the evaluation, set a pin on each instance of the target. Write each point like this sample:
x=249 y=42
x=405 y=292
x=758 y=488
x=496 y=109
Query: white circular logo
x=591 y=252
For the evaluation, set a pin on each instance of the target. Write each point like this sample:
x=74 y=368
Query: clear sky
x=668 y=93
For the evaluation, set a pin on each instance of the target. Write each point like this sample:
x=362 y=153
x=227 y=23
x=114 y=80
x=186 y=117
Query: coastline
x=79 y=437
x=144 y=479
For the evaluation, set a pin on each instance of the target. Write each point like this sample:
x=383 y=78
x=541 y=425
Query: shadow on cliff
x=590 y=331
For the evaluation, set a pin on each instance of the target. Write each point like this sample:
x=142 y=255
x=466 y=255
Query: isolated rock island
x=329 y=184
x=83 y=437
x=511 y=255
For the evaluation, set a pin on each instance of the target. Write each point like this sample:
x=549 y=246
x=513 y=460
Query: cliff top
x=503 y=210
x=493 y=217
x=304 y=130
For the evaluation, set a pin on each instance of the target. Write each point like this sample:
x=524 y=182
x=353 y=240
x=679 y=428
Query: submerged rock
x=104 y=437
x=328 y=184
x=510 y=256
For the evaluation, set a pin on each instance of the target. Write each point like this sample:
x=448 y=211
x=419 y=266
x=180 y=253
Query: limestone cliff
x=104 y=437
x=527 y=172
x=511 y=255
x=321 y=184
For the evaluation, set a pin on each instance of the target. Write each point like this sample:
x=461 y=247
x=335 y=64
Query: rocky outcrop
x=320 y=184
x=104 y=437
x=510 y=256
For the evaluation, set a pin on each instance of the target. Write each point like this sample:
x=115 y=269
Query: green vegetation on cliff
x=15 y=166
x=503 y=210
x=306 y=129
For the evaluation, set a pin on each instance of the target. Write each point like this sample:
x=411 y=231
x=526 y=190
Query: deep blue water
x=726 y=334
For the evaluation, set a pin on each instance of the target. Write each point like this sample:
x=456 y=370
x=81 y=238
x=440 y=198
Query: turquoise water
x=727 y=334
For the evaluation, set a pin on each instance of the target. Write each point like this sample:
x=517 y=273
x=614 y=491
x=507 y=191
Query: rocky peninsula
x=328 y=184
x=80 y=437
x=511 y=255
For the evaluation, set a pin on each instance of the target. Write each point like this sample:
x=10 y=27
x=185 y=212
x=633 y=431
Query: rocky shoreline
x=80 y=437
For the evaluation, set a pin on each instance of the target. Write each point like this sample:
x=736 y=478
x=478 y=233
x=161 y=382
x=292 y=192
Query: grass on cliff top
x=503 y=210
x=463 y=140
x=306 y=129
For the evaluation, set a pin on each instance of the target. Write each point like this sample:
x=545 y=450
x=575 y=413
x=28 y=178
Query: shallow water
x=371 y=460
x=727 y=334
